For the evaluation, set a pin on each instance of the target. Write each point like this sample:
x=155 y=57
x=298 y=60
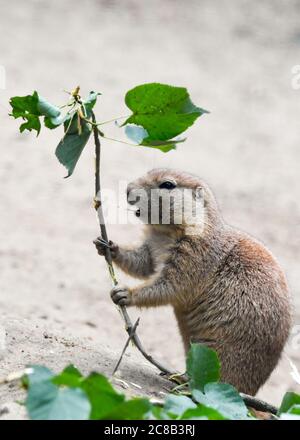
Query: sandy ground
x=236 y=59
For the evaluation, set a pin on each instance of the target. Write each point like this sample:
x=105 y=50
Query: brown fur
x=227 y=290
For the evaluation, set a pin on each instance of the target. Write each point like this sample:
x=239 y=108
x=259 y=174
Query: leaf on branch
x=289 y=400
x=71 y=146
x=202 y=366
x=31 y=108
x=136 y=133
x=77 y=133
x=224 y=398
x=26 y=107
x=140 y=136
x=90 y=102
x=163 y=111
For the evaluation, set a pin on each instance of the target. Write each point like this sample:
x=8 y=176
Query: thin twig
x=126 y=345
x=108 y=258
x=112 y=120
x=120 y=141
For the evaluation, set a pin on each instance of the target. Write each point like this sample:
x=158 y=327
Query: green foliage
x=160 y=112
x=138 y=135
x=70 y=395
x=103 y=397
x=77 y=130
x=39 y=374
x=289 y=400
x=71 y=146
x=224 y=398
x=175 y=405
x=76 y=121
x=134 y=409
x=31 y=108
x=202 y=366
x=202 y=412
x=70 y=377
x=46 y=401
x=295 y=409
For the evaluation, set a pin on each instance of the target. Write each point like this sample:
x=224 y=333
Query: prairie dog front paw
x=102 y=245
x=121 y=296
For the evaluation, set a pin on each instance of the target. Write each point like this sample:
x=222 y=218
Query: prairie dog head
x=170 y=198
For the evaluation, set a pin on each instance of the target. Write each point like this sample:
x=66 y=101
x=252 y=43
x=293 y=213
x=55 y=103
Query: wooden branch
x=258 y=404
x=132 y=333
x=108 y=258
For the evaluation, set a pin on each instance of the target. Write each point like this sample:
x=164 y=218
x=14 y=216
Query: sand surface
x=236 y=59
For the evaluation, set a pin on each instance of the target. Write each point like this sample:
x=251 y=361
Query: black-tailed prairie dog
x=227 y=290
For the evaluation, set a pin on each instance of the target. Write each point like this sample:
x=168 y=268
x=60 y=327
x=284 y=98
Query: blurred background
x=236 y=59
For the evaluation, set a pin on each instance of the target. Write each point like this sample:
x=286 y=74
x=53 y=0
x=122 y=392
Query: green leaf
x=163 y=111
x=202 y=366
x=45 y=401
x=164 y=146
x=139 y=135
x=224 y=398
x=21 y=105
x=26 y=107
x=47 y=109
x=102 y=396
x=177 y=405
x=38 y=374
x=289 y=399
x=136 y=133
x=54 y=122
x=90 y=102
x=158 y=413
x=53 y=115
x=295 y=409
x=70 y=377
x=202 y=412
x=31 y=108
x=32 y=123
x=135 y=409
x=71 y=146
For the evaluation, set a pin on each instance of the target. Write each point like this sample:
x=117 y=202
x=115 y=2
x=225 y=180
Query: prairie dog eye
x=167 y=185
